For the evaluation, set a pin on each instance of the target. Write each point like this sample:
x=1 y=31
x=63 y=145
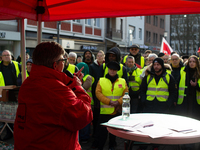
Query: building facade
x=154 y=31
x=135 y=31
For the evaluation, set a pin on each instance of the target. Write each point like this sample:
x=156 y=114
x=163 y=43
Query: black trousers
x=103 y=132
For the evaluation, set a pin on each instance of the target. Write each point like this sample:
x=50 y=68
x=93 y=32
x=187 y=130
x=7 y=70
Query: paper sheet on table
x=156 y=131
x=130 y=122
x=180 y=128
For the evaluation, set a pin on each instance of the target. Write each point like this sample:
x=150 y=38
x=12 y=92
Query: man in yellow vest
x=134 y=83
x=139 y=59
x=158 y=90
x=110 y=90
x=10 y=69
x=70 y=67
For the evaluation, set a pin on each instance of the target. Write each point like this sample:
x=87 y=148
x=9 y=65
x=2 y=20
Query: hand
x=75 y=82
x=193 y=83
x=114 y=103
x=79 y=74
x=88 y=83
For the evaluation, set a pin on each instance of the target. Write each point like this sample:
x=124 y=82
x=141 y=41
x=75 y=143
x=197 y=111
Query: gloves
x=88 y=83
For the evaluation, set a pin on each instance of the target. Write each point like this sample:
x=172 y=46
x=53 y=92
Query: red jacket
x=50 y=114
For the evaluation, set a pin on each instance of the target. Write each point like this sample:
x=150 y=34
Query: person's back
x=50 y=113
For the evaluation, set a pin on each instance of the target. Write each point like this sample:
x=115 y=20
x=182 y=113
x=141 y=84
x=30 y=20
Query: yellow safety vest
x=135 y=84
x=2 y=83
x=142 y=61
x=89 y=91
x=27 y=75
x=182 y=87
x=120 y=72
x=111 y=92
x=71 y=68
x=124 y=60
x=168 y=71
x=159 y=91
x=16 y=67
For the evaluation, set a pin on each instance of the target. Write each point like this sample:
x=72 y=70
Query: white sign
x=67 y=44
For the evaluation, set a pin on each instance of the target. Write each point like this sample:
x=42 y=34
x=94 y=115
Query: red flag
x=165 y=47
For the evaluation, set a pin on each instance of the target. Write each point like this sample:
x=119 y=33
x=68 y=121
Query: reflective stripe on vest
x=182 y=87
x=120 y=72
x=89 y=91
x=160 y=90
x=16 y=67
x=135 y=85
x=71 y=68
x=113 y=92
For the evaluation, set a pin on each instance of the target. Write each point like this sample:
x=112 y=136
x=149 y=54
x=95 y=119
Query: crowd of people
x=65 y=94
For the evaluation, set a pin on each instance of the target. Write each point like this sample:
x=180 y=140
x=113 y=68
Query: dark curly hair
x=46 y=53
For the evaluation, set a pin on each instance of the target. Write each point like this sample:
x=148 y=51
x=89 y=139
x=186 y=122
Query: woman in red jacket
x=52 y=106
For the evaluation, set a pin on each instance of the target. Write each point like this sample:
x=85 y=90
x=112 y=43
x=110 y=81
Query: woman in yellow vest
x=110 y=90
x=188 y=103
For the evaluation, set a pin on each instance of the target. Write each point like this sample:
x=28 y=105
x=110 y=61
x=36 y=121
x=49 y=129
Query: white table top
x=161 y=120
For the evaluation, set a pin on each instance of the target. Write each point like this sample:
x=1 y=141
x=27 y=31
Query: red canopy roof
x=56 y=10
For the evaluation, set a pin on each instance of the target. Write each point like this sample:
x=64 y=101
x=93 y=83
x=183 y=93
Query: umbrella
x=56 y=10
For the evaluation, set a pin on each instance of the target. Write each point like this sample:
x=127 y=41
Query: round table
x=165 y=120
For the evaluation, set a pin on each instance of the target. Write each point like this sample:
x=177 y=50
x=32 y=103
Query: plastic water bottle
x=126 y=106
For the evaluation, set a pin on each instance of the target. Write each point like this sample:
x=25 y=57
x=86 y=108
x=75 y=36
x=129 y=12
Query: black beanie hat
x=160 y=61
x=161 y=54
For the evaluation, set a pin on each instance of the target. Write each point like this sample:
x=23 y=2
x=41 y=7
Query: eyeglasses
x=5 y=55
x=63 y=60
x=174 y=59
x=134 y=49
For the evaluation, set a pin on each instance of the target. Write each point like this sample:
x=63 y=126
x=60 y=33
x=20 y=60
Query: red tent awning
x=56 y=10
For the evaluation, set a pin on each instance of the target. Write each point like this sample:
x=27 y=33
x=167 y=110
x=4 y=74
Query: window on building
x=148 y=19
x=161 y=23
x=131 y=33
x=155 y=20
x=140 y=33
x=77 y=21
x=148 y=36
x=88 y=22
x=155 y=38
x=97 y=22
